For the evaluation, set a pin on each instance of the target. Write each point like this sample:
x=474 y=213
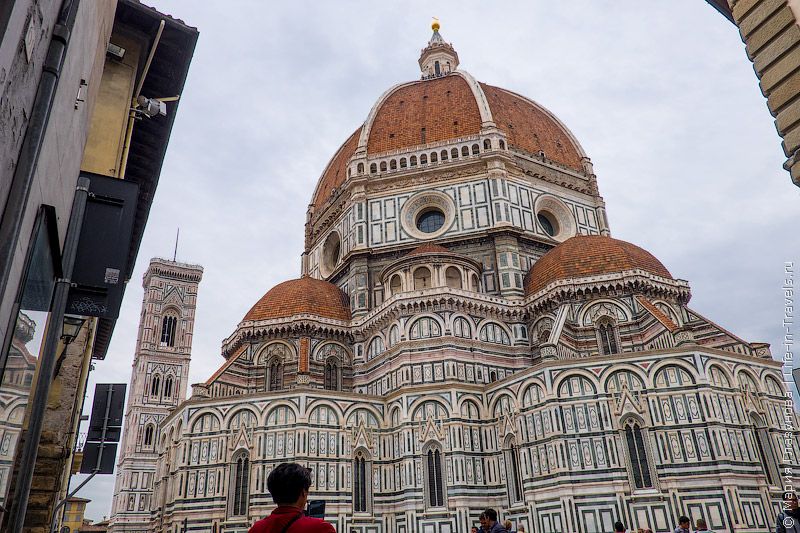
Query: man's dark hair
x=684 y=520
x=789 y=495
x=491 y=514
x=287 y=481
x=619 y=527
x=701 y=524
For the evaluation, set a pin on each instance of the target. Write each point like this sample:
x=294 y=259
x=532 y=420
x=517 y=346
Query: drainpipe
x=22 y=181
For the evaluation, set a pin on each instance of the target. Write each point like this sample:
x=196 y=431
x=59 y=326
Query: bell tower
x=159 y=382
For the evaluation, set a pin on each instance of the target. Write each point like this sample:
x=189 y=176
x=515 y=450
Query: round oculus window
x=430 y=221
x=546 y=224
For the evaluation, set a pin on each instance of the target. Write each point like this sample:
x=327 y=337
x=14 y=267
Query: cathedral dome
x=304 y=296
x=446 y=106
x=590 y=255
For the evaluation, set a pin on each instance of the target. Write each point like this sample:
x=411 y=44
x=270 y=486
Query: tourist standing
x=683 y=525
x=288 y=484
x=489 y=522
x=702 y=527
x=789 y=518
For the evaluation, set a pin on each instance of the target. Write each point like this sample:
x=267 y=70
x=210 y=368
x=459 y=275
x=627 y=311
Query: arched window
x=413 y=160
x=361 y=168
x=487 y=145
x=376 y=347
x=396 y=285
x=513 y=475
x=168 y=388
x=149 y=432
x=422 y=278
x=240 y=482
x=383 y=166
x=454 y=153
x=476 y=149
x=332 y=374
x=433 y=471
x=452 y=277
x=275 y=378
x=424 y=328
x=502 y=145
x=474 y=284
x=764 y=450
x=168 y=326
x=492 y=332
x=639 y=466
x=464 y=151
x=607 y=338
x=361 y=482
x=437 y=69
x=403 y=162
x=394 y=335
x=434 y=157
x=423 y=159
x=155 y=385
x=444 y=155
x=461 y=328
x=373 y=168
x=544 y=336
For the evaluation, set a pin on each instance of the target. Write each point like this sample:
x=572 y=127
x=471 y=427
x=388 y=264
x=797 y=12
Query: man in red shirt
x=289 y=484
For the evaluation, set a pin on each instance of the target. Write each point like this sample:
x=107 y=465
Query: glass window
x=430 y=221
x=637 y=456
x=434 y=475
x=275 y=375
x=547 y=226
x=513 y=473
x=361 y=478
x=608 y=339
x=19 y=354
x=240 y=482
x=332 y=374
x=168 y=326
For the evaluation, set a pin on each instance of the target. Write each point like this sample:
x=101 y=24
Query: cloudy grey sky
x=660 y=94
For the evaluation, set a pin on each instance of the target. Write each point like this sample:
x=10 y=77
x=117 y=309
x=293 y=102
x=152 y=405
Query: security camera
x=151 y=107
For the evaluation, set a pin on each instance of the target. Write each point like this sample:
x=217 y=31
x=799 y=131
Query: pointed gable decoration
x=627 y=402
x=241 y=440
x=507 y=426
x=429 y=430
x=362 y=437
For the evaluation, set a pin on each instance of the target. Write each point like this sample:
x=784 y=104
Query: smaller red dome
x=590 y=255
x=306 y=295
x=429 y=248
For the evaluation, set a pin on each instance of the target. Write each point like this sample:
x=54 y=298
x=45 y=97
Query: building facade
x=159 y=382
x=466 y=333
x=70 y=74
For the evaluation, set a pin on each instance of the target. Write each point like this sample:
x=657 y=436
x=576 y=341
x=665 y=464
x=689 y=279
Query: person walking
x=702 y=527
x=489 y=522
x=288 y=484
x=789 y=518
x=683 y=525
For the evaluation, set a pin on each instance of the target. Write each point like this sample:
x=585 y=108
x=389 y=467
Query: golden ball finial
x=435 y=24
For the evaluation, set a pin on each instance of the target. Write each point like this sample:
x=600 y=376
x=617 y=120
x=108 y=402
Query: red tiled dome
x=445 y=108
x=306 y=295
x=590 y=255
x=429 y=248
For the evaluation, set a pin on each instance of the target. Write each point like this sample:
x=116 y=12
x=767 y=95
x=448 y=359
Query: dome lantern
x=438 y=58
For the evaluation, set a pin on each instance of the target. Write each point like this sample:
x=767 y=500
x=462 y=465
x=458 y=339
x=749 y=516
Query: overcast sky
x=660 y=94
